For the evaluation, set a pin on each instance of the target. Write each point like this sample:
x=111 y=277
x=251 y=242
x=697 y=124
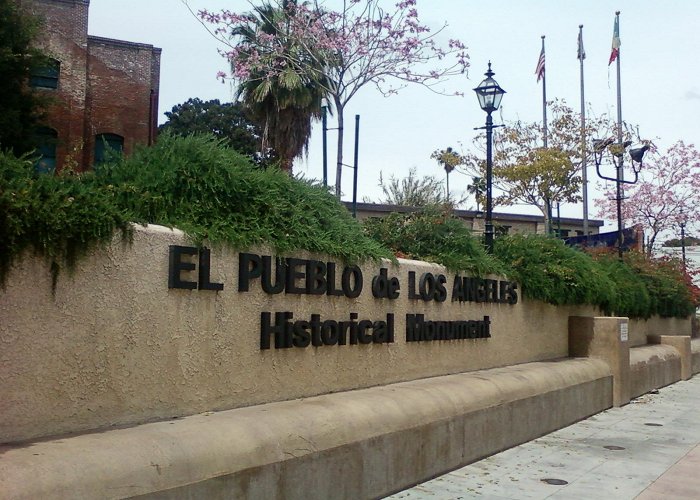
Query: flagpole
x=584 y=167
x=620 y=172
x=548 y=226
x=544 y=102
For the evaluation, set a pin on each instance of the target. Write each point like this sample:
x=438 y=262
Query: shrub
x=59 y=217
x=433 y=234
x=669 y=291
x=632 y=298
x=194 y=183
x=550 y=271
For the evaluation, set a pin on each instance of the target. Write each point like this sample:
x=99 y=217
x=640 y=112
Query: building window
x=108 y=146
x=501 y=230
x=45 y=139
x=46 y=76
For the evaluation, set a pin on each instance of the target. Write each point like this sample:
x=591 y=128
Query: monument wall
x=156 y=328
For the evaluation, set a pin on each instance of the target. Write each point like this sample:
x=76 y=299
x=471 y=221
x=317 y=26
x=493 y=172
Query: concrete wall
x=652 y=367
x=114 y=345
x=695 y=355
x=642 y=329
x=357 y=444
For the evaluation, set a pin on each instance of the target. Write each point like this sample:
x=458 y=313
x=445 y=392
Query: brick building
x=106 y=91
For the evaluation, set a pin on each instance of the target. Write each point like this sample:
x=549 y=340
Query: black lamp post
x=489 y=94
x=617 y=152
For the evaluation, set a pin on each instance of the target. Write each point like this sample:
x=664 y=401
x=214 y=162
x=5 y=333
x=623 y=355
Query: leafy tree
x=282 y=102
x=526 y=172
x=690 y=241
x=20 y=106
x=412 y=191
x=349 y=48
x=540 y=178
x=667 y=193
x=226 y=121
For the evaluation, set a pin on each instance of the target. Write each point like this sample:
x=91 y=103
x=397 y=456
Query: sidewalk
x=648 y=449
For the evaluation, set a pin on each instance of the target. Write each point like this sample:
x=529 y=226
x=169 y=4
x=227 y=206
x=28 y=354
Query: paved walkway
x=648 y=449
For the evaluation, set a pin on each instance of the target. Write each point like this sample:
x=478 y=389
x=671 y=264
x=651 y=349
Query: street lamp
x=489 y=94
x=616 y=152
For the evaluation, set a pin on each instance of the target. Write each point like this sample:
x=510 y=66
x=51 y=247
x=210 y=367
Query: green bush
x=632 y=298
x=218 y=197
x=194 y=183
x=59 y=217
x=213 y=193
x=434 y=235
x=670 y=295
x=549 y=271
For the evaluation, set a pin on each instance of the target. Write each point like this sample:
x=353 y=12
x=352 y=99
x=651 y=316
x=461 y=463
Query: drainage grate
x=613 y=447
x=555 y=482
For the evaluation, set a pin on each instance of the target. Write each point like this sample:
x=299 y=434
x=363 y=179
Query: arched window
x=45 y=139
x=106 y=146
x=46 y=76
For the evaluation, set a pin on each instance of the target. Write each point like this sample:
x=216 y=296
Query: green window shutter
x=107 y=146
x=45 y=139
x=46 y=76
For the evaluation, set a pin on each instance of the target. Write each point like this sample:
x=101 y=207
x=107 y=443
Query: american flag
x=539 y=71
x=581 y=52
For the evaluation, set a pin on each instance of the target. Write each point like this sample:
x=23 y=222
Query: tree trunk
x=286 y=165
x=547 y=217
x=339 y=167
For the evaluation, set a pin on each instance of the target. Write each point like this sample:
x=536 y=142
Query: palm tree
x=477 y=188
x=284 y=103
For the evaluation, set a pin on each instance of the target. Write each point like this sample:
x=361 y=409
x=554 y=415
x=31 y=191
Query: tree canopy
x=359 y=44
x=526 y=172
x=227 y=121
x=21 y=107
x=667 y=193
x=412 y=191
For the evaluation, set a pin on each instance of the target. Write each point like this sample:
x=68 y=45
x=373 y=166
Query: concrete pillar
x=682 y=344
x=606 y=339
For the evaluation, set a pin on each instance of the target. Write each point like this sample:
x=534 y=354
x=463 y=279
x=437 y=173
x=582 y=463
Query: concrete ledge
x=607 y=339
x=652 y=367
x=682 y=344
x=357 y=444
x=695 y=355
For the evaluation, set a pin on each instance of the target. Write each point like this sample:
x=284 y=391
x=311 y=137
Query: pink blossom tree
x=359 y=44
x=667 y=193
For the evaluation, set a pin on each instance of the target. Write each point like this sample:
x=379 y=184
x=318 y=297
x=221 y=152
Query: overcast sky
x=660 y=77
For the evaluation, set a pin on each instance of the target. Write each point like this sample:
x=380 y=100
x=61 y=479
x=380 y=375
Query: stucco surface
x=653 y=366
x=695 y=355
x=115 y=346
x=603 y=338
x=641 y=329
x=355 y=444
